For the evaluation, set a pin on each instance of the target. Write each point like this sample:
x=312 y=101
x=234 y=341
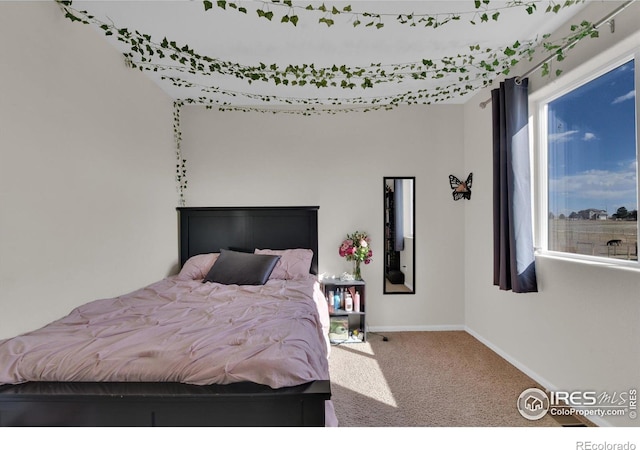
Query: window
x=589 y=158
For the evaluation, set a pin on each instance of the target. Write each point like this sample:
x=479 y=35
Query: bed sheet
x=182 y=331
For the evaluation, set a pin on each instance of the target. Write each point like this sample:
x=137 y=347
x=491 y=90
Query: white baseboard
x=390 y=329
x=530 y=373
x=514 y=362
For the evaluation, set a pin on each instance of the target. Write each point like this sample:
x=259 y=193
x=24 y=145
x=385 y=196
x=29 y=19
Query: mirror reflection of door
x=399 y=238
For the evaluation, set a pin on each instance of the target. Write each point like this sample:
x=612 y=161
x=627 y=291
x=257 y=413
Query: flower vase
x=356 y=270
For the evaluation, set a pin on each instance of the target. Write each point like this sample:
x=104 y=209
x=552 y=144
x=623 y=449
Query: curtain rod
x=607 y=19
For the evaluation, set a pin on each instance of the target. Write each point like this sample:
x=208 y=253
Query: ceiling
x=401 y=63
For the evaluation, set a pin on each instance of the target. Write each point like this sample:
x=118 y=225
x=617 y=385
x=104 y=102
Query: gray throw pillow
x=233 y=267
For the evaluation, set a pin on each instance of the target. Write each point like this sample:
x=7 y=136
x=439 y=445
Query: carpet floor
x=426 y=379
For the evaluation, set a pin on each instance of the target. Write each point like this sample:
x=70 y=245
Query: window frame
x=538 y=104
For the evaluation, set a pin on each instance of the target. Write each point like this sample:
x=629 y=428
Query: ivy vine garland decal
x=181 y=164
x=461 y=73
x=421 y=96
x=491 y=60
x=482 y=12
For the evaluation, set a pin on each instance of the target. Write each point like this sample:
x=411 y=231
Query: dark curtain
x=398 y=200
x=513 y=253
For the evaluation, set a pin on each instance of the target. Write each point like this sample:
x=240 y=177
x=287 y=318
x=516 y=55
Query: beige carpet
x=426 y=379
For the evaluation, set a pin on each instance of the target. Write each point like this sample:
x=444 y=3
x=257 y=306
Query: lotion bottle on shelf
x=348 y=303
x=356 y=301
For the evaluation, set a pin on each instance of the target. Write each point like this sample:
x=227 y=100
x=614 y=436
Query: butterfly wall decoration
x=461 y=189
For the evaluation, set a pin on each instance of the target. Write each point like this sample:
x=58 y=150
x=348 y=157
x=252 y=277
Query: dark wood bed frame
x=202 y=230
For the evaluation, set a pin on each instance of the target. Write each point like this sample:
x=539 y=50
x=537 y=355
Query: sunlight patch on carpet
x=364 y=371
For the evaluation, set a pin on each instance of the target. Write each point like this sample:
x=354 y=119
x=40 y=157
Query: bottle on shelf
x=356 y=302
x=348 y=303
x=330 y=302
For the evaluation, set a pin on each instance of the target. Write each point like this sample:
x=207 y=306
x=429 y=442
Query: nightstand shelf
x=346 y=326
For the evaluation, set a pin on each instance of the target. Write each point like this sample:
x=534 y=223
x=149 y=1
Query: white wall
x=338 y=162
x=87 y=192
x=582 y=330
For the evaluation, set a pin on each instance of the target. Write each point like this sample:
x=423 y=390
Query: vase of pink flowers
x=356 y=247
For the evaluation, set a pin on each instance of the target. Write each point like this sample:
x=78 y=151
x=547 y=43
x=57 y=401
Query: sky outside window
x=592 y=145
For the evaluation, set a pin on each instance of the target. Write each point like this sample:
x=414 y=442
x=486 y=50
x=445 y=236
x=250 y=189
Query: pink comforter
x=182 y=331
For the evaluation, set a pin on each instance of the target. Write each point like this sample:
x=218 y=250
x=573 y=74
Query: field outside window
x=590 y=135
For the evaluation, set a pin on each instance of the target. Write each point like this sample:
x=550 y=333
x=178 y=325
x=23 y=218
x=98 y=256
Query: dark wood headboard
x=209 y=229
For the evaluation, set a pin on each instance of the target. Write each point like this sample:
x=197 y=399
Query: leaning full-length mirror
x=399 y=235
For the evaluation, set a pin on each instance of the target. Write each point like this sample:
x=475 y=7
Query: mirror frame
x=388 y=240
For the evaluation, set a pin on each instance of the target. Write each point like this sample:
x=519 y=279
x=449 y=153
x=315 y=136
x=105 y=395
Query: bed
x=253 y=354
